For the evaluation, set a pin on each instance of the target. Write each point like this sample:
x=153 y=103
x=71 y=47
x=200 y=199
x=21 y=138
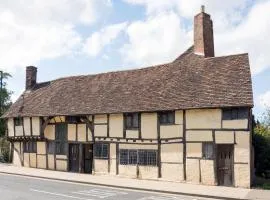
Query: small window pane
x=142 y=157
x=234 y=113
x=128 y=121
x=132 y=157
x=152 y=158
x=51 y=147
x=243 y=113
x=227 y=114
x=101 y=150
x=208 y=149
x=123 y=157
x=166 y=117
x=135 y=120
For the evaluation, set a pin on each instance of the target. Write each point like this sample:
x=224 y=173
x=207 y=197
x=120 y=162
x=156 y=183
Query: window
x=208 y=150
x=101 y=150
x=51 y=147
x=61 y=139
x=140 y=157
x=18 y=121
x=132 y=120
x=235 y=113
x=74 y=119
x=30 y=147
x=166 y=117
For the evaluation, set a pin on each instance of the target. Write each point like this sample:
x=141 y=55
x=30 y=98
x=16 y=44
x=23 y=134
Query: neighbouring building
x=187 y=121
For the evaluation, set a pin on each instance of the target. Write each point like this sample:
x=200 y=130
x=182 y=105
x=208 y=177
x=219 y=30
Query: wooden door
x=225 y=164
x=74 y=161
x=88 y=158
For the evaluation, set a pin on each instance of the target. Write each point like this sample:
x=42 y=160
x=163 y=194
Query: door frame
x=218 y=146
x=81 y=155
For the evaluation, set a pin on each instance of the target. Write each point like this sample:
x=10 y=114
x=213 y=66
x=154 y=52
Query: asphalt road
x=24 y=188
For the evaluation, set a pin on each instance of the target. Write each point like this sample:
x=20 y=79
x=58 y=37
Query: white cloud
x=99 y=39
x=240 y=26
x=38 y=30
x=264 y=100
x=158 y=39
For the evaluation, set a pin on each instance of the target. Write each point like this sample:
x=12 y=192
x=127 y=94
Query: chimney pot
x=31 y=77
x=202 y=8
x=203 y=34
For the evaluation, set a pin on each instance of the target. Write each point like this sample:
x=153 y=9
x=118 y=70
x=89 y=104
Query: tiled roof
x=191 y=81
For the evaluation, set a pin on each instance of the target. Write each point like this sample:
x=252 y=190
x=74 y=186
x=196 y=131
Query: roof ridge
x=239 y=54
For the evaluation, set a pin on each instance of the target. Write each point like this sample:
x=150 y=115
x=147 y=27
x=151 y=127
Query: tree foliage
x=5 y=102
x=261 y=141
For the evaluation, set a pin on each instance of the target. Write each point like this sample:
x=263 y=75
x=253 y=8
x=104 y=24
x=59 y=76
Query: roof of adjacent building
x=190 y=81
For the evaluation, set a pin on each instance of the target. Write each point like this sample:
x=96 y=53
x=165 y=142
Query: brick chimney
x=31 y=77
x=203 y=34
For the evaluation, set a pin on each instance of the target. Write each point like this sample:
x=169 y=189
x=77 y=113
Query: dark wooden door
x=88 y=158
x=74 y=161
x=225 y=164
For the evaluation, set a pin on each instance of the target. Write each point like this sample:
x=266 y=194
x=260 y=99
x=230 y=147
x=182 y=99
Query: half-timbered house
x=188 y=120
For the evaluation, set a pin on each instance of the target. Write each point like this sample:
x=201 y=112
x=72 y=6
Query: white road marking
x=100 y=193
x=163 y=198
x=58 y=194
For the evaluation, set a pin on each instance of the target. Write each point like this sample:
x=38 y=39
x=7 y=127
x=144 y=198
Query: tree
x=261 y=141
x=5 y=101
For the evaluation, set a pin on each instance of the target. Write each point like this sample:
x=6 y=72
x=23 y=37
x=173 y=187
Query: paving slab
x=147 y=185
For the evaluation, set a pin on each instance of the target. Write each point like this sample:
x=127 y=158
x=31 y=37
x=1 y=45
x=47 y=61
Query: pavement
x=169 y=188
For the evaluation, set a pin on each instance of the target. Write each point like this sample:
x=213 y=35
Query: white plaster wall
x=179 y=117
x=50 y=161
x=128 y=171
x=149 y=125
x=82 y=132
x=148 y=172
x=101 y=166
x=242 y=147
x=171 y=131
x=235 y=124
x=33 y=160
x=194 y=150
x=113 y=158
x=27 y=125
x=100 y=119
x=49 y=132
x=100 y=130
x=207 y=172
x=71 y=132
x=132 y=134
x=242 y=175
x=203 y=118
x=172 y=172
x=224 y=137
x=26 y=159
x=172 y=153
x=116 y=125
x=192 y=170
x=19 y=130
x=36 y=125
x=199 y=136
x=41 y=161
x=41 y=147
x=61 y=165
x=10 y=127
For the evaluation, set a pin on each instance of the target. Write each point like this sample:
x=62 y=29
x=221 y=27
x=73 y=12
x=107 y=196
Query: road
x=27 y=188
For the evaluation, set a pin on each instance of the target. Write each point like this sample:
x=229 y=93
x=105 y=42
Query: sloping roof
x=191 y=81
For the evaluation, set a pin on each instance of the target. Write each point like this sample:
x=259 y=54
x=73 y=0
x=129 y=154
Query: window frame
x=205 y=151
x=133 y=125
x=166 y=114
x=100 y=147
x=30 y=147
x=73 y=119
x=18 y=121
x=237 y=113
x=143 y=157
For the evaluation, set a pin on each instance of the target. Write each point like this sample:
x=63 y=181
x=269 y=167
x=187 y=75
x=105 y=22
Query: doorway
x=225 y=164
x=88 y=158
x=74 y=161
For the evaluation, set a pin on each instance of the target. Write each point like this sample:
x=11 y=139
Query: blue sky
x=73 y=37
